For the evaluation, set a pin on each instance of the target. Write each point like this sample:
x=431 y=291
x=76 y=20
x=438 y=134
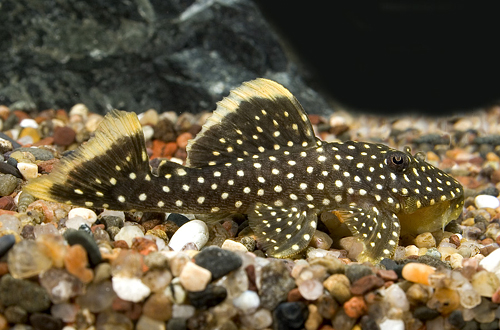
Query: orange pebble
x=76 y=261
x=417 y=273
x=355 y=307
x=182 y=139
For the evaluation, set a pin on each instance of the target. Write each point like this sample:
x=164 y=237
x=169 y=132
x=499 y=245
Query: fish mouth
x=430 y=218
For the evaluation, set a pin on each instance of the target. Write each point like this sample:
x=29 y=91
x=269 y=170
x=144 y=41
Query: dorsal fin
x=259 y=116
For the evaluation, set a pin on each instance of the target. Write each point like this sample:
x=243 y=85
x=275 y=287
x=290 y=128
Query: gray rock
x=135 y=55
x=23 y=293
x=276 y=282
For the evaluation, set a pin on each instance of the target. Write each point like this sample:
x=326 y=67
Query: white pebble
x=396 y=297
x=247 y=302
x=130 y=289
x=194 y=277
x=119 y=214
x=148 y=132
x=195 y=231
x=390 y=324
x=28 y=170
x=484 y=201
x=492 y=262
x=88 y=215
x=311 y=289
x=128 y=233
x=258 y=320
x=79 y=109
x=76 y=222
x=233 y=246
x=28 y=122
x=182 y=311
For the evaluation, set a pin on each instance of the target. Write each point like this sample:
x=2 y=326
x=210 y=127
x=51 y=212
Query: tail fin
x=102 y=170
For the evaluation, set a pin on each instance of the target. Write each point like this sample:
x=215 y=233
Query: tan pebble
x=425 y=240
x=314 y=319
x=432 y=156
x=321 y=240
x=485 y=283
x=149 y=117
x=468 y=222
x=456 y=260
x=411 y=250
x=79 y=109
x=417 y=272
x=339 y=287
x=418 y=294
x=444 y=300
x=446 y=251
x=194 y=277
x=93 y=121
x=233 y=246
x=158 y=306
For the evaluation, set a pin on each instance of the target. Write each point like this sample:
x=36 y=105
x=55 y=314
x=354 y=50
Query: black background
x=435 y=57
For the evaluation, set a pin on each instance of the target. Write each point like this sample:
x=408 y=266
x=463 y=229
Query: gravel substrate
x=76 y=268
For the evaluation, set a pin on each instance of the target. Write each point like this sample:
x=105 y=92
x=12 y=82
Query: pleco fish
x=258 y=155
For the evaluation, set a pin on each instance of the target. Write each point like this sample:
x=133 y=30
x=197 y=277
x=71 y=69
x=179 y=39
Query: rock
x=485 y=283
x=218 y=261
x=76 y=261
x=25 y=260
x=88 y=216
x=45 y=322
x=15 y=314
x=147 y=323
x=456 y=319
x=8 y=183
x=290 y=315
x=356 y=271
x=366 y=284
x=339 y=287
x=60 y=285
x=211 y=296
x=391 y=324
x=6 y=243
x=64 y=136
x=23 y=293
x=183 y=138
x=128 y=233
x=158 y=307
x=311 y=289
x=233 y=246
x=7 y=203
x=276 y=282
x=247 y=302
x=178 y=219
x=355 y=307
x=425 y=313
x=486 y=201
x=195 y=231
x=125 y=39
x=194 y=277
x=261 y=319
x=444 y=300
x=425 y=240
x=417 y=272
x=396 y=297
x=130 y=289
x=79 y=237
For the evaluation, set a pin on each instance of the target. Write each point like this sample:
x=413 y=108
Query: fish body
x=258 y=155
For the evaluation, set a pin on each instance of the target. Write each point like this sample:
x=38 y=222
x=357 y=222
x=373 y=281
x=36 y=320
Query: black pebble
x=177 y=218
x=211 y=296
x=354 y=272
x=471 y=325
x=493 y=191
x=7 y=168
x=369 y=323
x=87 y=241
x=425 y=313
x=218 y=261
x=41 y=321
x=6 y=242
x=290 y=315
x=456 y=319
x=176 y=324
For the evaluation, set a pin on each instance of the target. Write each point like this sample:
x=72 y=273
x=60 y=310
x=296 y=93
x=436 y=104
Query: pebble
x=25 y=259
x=355 y=307
x=45 y=322
x=128 y=233
x=88 y=216
x=195 y=231
x=7 y=203
x=23 y=293
x=339 y=287
x=218 y=261
x=158 y=307
x=6 y=243
x=247 y=302
x=147 y=323
x=233 y=246
x=486 y=201
x=178 y=219
x=391 y=324
x=75 y=262
x=425 y=240
x=87 y=241
x=275 y=284
x=485 y=283
x=365 y=284
x=8 y=183
x=356 y=271
x=290 y=315
x=261 y=319
x=417 y=272
x=194 y=277
x=311 y=289
x=64 y=136
x=396 y=297
x=211 y=296
x=130 y=289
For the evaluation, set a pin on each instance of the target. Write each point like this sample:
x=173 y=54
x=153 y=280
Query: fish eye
x=397 y=161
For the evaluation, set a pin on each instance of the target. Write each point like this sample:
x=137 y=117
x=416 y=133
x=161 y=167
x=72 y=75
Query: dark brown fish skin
x=258 y=155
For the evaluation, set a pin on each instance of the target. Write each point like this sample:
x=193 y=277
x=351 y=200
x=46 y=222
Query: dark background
x=436 y=57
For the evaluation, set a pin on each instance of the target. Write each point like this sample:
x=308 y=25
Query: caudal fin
x=102 y=170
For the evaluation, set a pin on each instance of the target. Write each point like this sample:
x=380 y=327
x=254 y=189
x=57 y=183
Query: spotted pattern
x=257 y=154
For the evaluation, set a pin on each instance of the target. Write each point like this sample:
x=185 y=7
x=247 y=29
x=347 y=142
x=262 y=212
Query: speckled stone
x=218 y=261
x=275 y=284
x=23 y=293
x=356 y=271
x=45 y=322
